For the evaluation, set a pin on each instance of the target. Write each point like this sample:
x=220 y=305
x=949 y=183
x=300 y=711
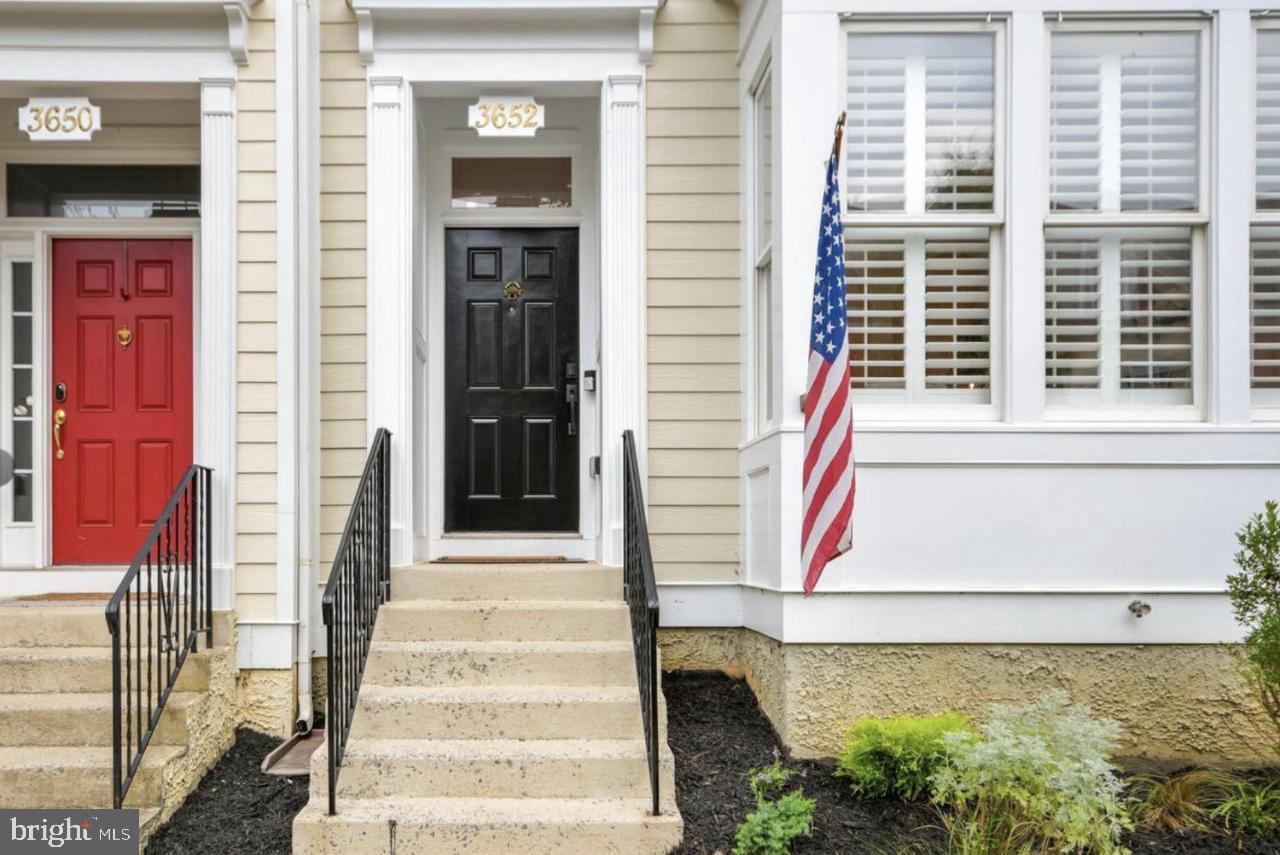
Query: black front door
x=511 y=385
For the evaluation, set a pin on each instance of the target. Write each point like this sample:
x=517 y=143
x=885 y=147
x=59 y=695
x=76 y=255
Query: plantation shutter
x=957 y=313
x=959 y=133
x=875 y=283
x=875 y=133
x=1155 y=312
x=1073 y=313
x=1124 y=120
x=1264 y=288
x=1267 y=121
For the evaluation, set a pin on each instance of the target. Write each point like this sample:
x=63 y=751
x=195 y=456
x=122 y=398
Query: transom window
x=923 y=213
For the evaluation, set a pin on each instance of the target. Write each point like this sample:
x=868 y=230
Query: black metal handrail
x=171 y=580
x=641 y=592
x=359 y=583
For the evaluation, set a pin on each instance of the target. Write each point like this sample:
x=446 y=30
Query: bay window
x=1264 y=261
x=1124 y=234
x=923 y=212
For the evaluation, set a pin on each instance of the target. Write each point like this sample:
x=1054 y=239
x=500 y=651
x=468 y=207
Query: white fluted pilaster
x=390 y=295
x=622 y=296
x=216 y=389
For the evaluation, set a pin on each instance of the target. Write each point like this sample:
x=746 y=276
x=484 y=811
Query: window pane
x=1118 y=315
x=921 y=116
x=1073 y=312
x=512 y=182
x=875 y=284
x=20 y=276
x=764 y=164
x=48 y=190
x=764 y=346
x=1267 y=123
x=1124 y=120
x=1264 y=282
x=957 y=313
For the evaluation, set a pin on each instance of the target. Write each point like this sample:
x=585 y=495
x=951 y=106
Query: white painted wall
x=1026 y=527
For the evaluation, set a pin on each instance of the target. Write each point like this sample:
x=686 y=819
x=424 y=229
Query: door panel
x=511 y=345
x=122 y=345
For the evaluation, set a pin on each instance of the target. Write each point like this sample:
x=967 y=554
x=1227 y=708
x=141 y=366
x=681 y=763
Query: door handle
x=59 y=419
x=571 y=395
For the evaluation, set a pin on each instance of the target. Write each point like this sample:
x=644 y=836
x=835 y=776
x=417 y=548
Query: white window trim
x=1197 y=221
x=18 y=547
x=885 y=406
x=1265 y=403
x=761 y=356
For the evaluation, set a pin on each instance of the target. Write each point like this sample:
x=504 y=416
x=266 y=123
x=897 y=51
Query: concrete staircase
x=499 y=712
x=55 y=715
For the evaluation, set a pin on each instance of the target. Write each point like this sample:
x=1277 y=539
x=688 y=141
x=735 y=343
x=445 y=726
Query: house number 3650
x=66 y=120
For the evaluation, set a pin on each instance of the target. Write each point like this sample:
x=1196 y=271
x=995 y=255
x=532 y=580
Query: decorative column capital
x=624 y=89
x=217 y=96
x=386 y=91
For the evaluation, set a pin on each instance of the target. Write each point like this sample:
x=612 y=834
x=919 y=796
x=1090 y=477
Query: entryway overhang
x=414 y=48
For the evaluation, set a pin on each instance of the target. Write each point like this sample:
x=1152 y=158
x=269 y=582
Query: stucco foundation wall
x=1176 y=703
x=264 y=700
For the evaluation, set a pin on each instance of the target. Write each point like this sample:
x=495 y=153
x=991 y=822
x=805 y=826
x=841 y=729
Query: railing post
x=206 y=476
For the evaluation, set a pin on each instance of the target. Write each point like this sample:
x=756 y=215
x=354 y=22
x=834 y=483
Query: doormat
x=508 y=559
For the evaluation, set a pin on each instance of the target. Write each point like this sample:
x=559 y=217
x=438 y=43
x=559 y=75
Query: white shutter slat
x=875 y=134
x=1075 y=133
x=957 y=316
x=1073 y=314
x=960 y=133
x=875 y=300
x=1264 y=303
x=1267 y=121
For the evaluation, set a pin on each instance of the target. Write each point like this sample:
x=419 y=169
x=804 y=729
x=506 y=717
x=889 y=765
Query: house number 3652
x=494 y=117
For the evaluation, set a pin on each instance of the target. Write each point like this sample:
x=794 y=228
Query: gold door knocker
x=512 y=290
x=124 y=335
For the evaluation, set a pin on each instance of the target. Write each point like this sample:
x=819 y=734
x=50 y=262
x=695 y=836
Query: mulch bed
x=236 y=808
x=718 y=734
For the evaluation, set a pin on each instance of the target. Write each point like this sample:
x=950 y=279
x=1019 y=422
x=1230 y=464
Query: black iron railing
x=359 y=583
x=641 y=592
x=155 y=617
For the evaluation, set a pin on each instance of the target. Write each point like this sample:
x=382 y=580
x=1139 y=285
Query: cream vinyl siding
x=342 y=270
x=694 y=270
x=256 y=322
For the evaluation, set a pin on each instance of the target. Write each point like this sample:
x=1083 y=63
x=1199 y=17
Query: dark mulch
x=718 y=734
x=236 y=808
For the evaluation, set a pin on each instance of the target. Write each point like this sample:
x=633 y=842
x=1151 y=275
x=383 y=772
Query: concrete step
x=502 y=712
x=84 y=719
x=44 y=625
x=496 y=620
x=493 y=768
x=528 y=582
x=79 y=669
x=500 y=663
x=483 y=826
x=77 y=777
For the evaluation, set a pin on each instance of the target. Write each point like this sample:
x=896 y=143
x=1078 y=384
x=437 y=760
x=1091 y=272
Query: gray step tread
x=86 y=758
x=497 y=811
x=492 y=694
x=36 y=701
x=463 y=646
x=498 y=749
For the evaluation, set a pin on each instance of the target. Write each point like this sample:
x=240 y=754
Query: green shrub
x=1255 y=598
x=778 y=819
x=1183 y=802
x=1250 y=809
x=1038 y=778
x=896 y=756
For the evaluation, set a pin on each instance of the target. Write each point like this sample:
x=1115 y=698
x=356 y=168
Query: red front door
x=122 y=390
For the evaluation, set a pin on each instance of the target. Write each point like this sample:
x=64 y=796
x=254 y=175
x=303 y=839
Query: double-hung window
x=762 y=248
x=1264 y=261
x=1124 y=238
x=923 y=213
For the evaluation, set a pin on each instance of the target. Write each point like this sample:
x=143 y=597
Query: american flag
x=828 y=423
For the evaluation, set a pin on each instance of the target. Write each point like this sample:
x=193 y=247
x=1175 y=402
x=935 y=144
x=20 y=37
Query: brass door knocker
x=124 y=335
x=512 y=290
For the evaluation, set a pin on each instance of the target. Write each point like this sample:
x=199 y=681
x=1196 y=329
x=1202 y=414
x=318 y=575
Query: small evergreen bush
x=1037 y=778
x=777 y=819
x=1255 y=598
x=896 y=756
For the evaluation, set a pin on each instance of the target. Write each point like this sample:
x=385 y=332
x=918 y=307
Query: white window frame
x=761 y=352
x=19 y=546
x=1074 y=407
x=908 y=404
x=1264 y=402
